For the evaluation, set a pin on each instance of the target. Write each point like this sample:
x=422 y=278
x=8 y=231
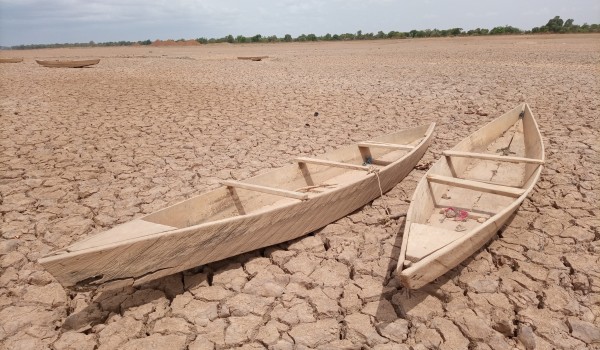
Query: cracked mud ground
x=85 y=149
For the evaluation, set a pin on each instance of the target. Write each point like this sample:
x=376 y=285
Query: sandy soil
x=85 y=149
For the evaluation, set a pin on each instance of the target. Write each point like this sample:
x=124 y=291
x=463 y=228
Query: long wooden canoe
x=68 y=64
x=241 y=216
x=11 y=60
x=252 y=58
x=468 y=195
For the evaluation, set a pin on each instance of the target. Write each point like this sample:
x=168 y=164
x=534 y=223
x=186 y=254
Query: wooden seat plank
x=331 y=163
x=487 y=156
x=375 y=144
x=476 y=185
x=264 y=189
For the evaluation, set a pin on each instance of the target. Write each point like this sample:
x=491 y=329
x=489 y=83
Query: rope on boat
x=374 y=170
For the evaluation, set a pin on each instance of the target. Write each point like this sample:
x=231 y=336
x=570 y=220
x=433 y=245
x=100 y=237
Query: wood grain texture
x=475 y=185
x=209 y=227
x=518 y=136
x=264 y=189
x=371 y=144
x=331 y=163
x=492 y=157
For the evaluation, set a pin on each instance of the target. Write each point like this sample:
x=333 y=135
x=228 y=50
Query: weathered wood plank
x=264 y=189
x=476 y=185
x=384 y=145
x=331 y=163
x=485 y=156
x=425 y=239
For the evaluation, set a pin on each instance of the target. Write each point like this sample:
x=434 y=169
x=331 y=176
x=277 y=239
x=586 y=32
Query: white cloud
x=41 y=21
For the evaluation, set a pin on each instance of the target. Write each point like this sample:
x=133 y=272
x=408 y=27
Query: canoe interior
x=428 y=228
x=225 y=203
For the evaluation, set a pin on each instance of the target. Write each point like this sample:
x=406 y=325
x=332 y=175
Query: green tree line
x=554 y=25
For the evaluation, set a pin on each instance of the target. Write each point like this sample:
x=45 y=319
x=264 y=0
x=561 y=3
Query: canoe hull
x=11 y=60
x=68 y=64
x=146 y=258
x=437 y=265
x=419 y=273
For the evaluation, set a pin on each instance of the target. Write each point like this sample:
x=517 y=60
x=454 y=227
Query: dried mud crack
x=84 y=150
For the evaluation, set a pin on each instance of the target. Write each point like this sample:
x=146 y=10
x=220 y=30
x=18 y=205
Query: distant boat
x=252 y=58
x=11 y=60
x=468 y=195
x=241 y=216
x=68 y=64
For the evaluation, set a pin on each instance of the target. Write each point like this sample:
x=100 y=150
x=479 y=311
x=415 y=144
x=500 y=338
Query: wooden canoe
x=241 y=216
x=11 y=60
x=252 y=58
x=485 y=178
x=68 y=64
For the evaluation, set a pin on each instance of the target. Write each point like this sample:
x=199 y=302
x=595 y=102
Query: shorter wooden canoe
x=253 y=58
x=11 y=60
x=468 y=195
x=68 y=64
x=241 y=216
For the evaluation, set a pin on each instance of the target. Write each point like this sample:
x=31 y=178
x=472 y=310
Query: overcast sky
x=59 y=21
